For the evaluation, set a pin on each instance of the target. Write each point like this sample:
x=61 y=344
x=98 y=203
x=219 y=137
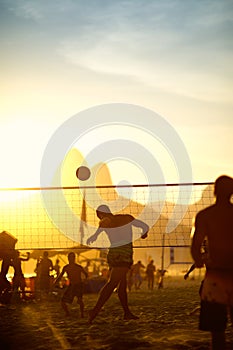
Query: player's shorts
x=218 y=287
x=72 y=291
x=121 y=256
x=216 y=299
x=213 y=317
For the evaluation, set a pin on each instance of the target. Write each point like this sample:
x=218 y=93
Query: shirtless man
x=75 y=288
x=45 y=267
x=120 y=256
x=216 y=224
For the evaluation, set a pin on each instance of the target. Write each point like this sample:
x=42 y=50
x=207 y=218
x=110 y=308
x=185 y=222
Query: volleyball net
x=63 y=218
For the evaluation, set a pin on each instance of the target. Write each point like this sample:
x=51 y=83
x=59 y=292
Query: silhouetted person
x=150 y=272
x=136 y=270
x=75 y=287
x=57 y=267
x=45 y=267
x=18 y=278
x=7 y=251
x=216 y=224
x=120 y=256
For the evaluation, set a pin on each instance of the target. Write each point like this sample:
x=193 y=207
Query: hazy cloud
x=180 y=47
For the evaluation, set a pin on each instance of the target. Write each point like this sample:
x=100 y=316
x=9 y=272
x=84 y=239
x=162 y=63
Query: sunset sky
x=61 y=57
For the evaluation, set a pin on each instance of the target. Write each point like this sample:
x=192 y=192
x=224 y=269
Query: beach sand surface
x=164 y=322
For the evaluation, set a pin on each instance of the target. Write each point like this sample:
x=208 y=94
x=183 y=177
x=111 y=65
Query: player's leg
x=122 y=290
x=81 y=305
x=136 y=282
x=122 y=294
x=139 y=281
x=151 y=282
x=67 y=298
x=106 y=292
x=218 y=340
x=22 y=287
x=78 y=292
x=15 y=287
x=5 y=290
x=213 y=318
x=129 y=282
x=65 y=308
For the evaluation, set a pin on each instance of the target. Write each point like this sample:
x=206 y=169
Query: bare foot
x=130 y=316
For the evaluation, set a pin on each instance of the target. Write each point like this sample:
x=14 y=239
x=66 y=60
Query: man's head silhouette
x=223 y=187
x=103 y=210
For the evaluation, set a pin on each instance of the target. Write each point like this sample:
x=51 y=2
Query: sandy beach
x=165 y=322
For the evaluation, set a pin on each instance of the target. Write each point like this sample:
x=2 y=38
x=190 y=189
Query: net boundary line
x=101 y=248
x=103 y=186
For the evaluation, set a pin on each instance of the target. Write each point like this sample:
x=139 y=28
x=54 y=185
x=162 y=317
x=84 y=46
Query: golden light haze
x=171 y=57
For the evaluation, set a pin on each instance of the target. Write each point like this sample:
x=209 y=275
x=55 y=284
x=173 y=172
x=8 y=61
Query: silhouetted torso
x=216 y=222
x=74 y=272
x=118 y=228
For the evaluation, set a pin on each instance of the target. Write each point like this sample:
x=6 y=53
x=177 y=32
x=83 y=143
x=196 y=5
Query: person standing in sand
x=45 y=267
x=137 y=274
x=150 y=273
x=75 y=288
x=18 y=278
x=120 y=256
x=216 y=224
x=57 y=268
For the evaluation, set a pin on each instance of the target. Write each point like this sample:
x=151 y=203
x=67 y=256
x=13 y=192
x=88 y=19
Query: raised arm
x=189 y=271
x=94 y=237
x=143 y=226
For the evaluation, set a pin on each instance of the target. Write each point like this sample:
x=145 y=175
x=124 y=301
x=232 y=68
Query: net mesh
x=61 y=218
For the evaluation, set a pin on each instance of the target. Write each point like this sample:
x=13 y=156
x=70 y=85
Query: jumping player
x=120 y=256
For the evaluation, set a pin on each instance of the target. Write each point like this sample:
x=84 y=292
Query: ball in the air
x=83 y=173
